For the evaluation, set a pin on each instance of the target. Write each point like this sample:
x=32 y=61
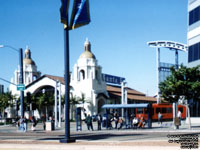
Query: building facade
x=1 y=89
x=193 y=38
x=87 y=80
x=30 y=72
x=193 y=35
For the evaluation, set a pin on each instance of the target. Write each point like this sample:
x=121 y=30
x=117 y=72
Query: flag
x=64 y=12
x=80 y=14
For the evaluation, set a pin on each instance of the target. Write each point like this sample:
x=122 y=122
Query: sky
x=118 y=32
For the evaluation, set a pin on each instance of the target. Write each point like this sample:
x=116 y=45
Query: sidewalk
x=154 y=138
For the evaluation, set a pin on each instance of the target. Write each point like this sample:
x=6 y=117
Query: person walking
x=88 y=121
x=179 y=116
x=21 y=122
x=99 y=121
x=34 y=123
x=44 y=122
x=159 y=118
x=25 y=124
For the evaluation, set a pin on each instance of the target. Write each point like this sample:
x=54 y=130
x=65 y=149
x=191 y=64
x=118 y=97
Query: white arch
x=41 y=82
x=168 y=44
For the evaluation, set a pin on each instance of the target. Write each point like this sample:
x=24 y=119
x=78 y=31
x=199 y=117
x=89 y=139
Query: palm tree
x=44 y=100
x=6 y=100
x=73 y=102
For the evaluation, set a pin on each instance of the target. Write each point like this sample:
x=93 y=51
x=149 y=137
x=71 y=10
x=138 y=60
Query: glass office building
x=1 y=89
x=193 y=38
x=193 y=33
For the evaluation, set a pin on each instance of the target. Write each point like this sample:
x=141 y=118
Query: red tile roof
x=132 y=94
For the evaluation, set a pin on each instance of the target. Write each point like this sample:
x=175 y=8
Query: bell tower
x=87 y=79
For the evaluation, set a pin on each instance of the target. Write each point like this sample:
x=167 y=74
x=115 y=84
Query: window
x=82 y=75
x=152 y=111
x=181 y=109
x=164 y=110
x=194 y=15
x=194 y=52
x=169 y=110
x=145 y=110
x=157 y=110
x=139 y=110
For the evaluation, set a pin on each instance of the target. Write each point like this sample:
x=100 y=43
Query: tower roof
x=27 y=60
x=87 y=53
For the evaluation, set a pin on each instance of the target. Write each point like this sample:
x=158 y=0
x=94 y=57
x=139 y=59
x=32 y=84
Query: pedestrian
x=141 y=123
x=25 y=124
x=135 y=122
x=88 y=121
x=159 y=118
x=121 y=122
x=21 y=121
x=116 y=119
x=179 y=116
x=44 y=122
x=99 y=121
x=34 y=123
x=109 y=121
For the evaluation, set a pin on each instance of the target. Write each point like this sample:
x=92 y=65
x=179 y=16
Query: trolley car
x=165 y=109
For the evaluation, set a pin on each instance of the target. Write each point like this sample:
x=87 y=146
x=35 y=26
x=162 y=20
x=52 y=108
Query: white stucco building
x=87 y=79
x=30 y=73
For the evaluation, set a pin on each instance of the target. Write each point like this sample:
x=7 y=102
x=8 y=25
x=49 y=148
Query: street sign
x=112 y=79
x=20 y=87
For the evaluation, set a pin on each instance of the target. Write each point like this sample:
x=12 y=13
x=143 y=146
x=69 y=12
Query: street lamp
x=21 y=79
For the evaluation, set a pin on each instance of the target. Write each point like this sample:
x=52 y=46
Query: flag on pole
x=64 y=12
x=80 y=14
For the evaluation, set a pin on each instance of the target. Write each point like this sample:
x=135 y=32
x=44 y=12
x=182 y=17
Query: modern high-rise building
x=193 y=38
x=193 y=33
x=1 y=89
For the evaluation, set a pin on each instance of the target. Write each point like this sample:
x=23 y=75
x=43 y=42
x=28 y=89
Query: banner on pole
x=80 y=14
x=64 y=12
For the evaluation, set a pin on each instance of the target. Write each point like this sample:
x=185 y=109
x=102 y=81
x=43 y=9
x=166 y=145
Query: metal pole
x=56 y=120
x=158 y=75
x=21 y=81
x=176 y=58
x=122 y=97
x=67 y=88
x=59 y=124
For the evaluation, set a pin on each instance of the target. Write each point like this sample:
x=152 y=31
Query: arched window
x=82 y=75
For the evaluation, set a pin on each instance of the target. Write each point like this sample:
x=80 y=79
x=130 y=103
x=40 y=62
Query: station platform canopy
x=117 y=106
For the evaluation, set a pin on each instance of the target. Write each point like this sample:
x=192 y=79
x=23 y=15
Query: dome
x=27 y=60
x=87 y=53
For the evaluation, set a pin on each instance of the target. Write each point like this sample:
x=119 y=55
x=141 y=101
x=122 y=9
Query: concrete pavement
x=155 y=138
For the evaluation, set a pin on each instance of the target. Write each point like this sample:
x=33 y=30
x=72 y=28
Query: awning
x=116 y=106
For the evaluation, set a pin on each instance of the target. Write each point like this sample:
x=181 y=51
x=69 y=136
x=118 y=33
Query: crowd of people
x=114 y=121
x=22 y=122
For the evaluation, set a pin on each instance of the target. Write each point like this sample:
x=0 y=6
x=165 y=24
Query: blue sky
x=118 y=32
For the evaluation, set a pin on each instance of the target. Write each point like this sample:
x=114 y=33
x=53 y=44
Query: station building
x=87 y=81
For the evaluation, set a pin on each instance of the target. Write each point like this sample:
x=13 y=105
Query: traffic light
x=28 y=95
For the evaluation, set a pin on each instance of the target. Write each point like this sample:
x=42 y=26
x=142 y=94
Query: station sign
x=112 y=79
x=20 y=87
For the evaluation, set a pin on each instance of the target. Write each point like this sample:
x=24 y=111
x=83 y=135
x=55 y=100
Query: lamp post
x=21 y=78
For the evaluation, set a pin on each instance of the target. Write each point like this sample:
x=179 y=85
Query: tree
x=73 y=102
x=43 y=100
x=182 y=82
x=6 y=100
